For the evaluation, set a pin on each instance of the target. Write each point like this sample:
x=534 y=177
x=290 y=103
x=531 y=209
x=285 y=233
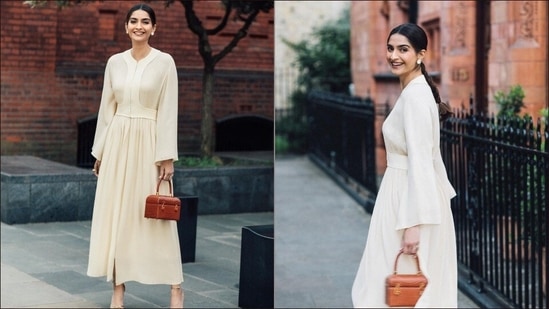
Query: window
x=432 y=28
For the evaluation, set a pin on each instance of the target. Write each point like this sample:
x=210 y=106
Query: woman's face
x=139 y=26
x=402 y=57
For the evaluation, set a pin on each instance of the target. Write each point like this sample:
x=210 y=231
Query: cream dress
x=414 y=190
x=136 y=129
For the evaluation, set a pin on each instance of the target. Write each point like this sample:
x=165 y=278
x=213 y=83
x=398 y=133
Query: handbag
x=404 y=290
x=165 y=207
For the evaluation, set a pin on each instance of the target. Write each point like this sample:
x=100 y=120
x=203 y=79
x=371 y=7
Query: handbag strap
x=416 y=258
x=158 y=186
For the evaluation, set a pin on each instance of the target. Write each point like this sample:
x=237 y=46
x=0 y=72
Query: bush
x=323 y=62
x=198 y=161
x=510 y=103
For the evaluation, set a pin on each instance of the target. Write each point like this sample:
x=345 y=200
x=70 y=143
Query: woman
x=412 y=211
x=135 y=145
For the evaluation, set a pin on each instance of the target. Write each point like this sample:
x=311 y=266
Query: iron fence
x=500 y=169
x=341 y=135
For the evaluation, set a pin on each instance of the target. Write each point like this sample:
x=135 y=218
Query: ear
x=126 y=27
x=154 y=28
x=421 y=54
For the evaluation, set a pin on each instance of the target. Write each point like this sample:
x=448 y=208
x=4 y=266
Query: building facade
x=476 y=48
x=53 y=60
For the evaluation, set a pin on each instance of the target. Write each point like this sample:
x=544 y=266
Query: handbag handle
x=415 y=256
x=158 y=186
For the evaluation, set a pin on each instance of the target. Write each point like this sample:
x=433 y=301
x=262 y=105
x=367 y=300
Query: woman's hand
x=166 y=169
x=410 y=240
x=96 y=166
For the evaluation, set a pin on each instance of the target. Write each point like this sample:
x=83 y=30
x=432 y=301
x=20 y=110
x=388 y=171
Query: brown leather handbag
x=165 y=207
x=404 y=290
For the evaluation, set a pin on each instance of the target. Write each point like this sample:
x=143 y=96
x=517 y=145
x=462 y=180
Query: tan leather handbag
x=404 y=290
x=165 y=207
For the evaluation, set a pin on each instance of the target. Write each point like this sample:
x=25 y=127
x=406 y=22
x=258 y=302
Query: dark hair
x=418 y=39
x=143 y=7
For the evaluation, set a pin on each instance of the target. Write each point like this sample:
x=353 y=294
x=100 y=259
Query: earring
x=418 y=61
x=152 y=33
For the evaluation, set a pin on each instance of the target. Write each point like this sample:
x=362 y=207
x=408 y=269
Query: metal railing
x=342 y=136
x=500 y=169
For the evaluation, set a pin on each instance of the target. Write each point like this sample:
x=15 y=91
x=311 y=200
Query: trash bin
x=186 y=227
x=256 y=286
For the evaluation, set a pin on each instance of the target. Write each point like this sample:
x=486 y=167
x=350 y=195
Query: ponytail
x=444 y=109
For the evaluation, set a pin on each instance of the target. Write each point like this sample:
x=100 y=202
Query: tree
x=245 y=11
x=323 y=63
x=324 y=60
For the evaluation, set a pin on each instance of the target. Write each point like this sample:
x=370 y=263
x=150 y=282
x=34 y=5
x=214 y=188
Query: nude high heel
x=176 y=289
x=113 y=305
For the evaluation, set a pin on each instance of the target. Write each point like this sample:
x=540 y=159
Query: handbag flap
x=406 y=280
x=163 y=200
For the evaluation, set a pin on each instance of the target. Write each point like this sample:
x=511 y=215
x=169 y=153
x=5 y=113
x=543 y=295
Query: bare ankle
x=177 y=296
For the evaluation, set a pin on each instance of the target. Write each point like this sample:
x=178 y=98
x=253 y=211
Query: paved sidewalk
x=44 y=266
x=320 y=233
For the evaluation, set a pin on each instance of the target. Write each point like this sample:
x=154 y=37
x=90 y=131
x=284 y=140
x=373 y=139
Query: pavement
x=44 y=266
x=320 y=234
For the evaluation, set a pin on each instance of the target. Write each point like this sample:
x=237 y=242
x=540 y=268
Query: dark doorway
x=244 y=133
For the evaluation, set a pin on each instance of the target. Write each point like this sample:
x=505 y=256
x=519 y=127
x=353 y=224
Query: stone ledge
x=226 y=190
x=39 y=190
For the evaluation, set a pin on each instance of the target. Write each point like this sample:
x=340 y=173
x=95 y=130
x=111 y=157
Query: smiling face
x=140 y=26
x=402 y=58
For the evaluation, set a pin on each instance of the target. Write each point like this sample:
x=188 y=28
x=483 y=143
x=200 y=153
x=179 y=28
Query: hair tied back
x=444 y=110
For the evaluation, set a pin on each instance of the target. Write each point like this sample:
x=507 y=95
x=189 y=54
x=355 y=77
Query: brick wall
x=52 y=63
x=518 y=52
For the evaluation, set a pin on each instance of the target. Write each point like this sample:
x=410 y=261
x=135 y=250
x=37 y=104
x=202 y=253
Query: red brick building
x=476 y=48
x=52 y=65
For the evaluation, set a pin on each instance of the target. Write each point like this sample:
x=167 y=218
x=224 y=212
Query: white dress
x=136 y=129
x=414 y=190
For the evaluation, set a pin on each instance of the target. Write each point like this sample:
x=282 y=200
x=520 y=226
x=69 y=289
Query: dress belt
x=396 y=160
x=135 y=111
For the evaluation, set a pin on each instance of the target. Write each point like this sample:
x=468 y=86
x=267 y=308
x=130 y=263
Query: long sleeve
x=166 y=122
x=107 y=109
x=420 y=200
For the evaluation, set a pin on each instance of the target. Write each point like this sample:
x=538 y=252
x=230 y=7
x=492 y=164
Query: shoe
x=176 y=303
x=112 y=299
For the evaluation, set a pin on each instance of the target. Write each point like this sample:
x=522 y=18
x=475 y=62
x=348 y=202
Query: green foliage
x=510 y=103
x=544 y=112
x=59 y=3
x=282 y=145
x=197 y=161
x=294 y=127
x=323 y=62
